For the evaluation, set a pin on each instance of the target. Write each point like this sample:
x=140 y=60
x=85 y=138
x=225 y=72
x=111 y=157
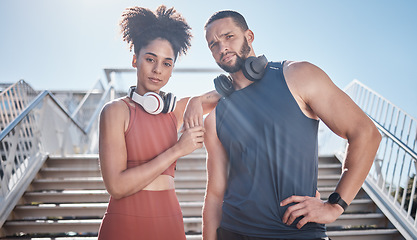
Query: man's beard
x=240 y=60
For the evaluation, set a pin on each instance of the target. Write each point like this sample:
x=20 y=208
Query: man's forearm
x=212 y=212
x=359 y=158
x=209 y=100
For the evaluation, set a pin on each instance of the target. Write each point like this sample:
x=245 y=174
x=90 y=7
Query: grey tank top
x=272 y=151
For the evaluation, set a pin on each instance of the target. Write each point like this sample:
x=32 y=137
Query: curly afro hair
x=140 y=26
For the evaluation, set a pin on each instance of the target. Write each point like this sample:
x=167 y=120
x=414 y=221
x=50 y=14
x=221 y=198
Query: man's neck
x=239 y=80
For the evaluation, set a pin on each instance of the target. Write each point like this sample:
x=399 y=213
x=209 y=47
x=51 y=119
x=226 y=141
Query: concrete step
x=330 y=169
x=366 y=219
x=66 y=196
x=191 y=174
x=91 y=183
x=361 y=206
x=92 y=196
x=366 y=234
x=192 y=160
x=197 y=158
x=77 y=226
x=191 y=182
x=60 y=211
x=180 y=182
x=328 y=159
x=74 y=161
x=84 y=210
x=191 y=165
x=357 y=207
x=198 y=170
x=190 y=195
x=189 y=209
x=78 y=172
x=190 y=171
x=69 y=172
x=188 y=237
x=96 y=183
x=193 y=224
x=329 y=180
x=52 y=226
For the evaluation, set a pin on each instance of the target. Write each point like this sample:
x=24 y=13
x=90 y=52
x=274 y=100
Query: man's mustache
x=226 y=53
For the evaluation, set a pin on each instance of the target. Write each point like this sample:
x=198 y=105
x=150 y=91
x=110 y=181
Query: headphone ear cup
x=169 y=101
x=152 y=103
x=254 y=67
x=223 y=85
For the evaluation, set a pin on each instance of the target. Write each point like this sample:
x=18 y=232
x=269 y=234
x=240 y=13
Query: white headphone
x=152 y=102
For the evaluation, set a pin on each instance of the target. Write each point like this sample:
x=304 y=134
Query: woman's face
x=154 y=66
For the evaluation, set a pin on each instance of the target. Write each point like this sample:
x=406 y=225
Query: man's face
x=228 y=44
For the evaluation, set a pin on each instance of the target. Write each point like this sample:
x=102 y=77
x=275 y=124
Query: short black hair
x=237 y=18
x=140 y=26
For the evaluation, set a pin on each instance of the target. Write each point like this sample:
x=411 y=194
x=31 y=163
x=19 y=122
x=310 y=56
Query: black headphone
x=253 y=69
x=154 y=103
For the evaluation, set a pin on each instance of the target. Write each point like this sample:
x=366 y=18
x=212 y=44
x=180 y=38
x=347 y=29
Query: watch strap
x=335 y=198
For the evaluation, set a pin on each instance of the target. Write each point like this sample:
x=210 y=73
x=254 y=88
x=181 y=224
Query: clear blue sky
x=65 y=44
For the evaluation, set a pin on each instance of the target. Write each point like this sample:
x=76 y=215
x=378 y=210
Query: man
x=262 y=144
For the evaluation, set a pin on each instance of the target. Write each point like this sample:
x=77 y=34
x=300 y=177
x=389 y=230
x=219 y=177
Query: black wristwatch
x=335 y=198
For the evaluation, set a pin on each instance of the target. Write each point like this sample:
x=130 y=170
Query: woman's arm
x=119 y=181
x=191 y=110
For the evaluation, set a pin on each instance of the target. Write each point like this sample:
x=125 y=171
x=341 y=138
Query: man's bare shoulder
x=301 y=68
x=303 y=74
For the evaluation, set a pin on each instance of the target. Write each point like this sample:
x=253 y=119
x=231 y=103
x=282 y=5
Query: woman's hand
x=198 y=106
x=190 y=140
x=193 y=115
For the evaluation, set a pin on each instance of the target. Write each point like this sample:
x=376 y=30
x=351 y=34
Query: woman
x=138 y=150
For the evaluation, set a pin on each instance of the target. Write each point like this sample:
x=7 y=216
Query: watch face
x=333 y=198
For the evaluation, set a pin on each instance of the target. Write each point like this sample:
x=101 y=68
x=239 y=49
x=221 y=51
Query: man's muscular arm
x=216 y=179
x=198 y=106
x=310 y=84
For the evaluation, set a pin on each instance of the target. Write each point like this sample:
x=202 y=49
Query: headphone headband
x=152 y=102
x=253 y=69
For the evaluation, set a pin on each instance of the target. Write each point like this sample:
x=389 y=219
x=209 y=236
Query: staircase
x=67 y=200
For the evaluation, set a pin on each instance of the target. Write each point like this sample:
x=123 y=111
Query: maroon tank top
x=149 y=135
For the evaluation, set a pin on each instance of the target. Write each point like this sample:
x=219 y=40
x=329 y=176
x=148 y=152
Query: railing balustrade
x=37 y=128
x=13 y=100
x=392 y=180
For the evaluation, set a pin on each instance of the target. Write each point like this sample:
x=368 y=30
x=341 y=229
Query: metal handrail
x=16 y=85
x=396 y=140
x=389 y=116
x=38 y=100
x=98 y=110
x=43 y=127
x=24 y=151
x=84 y=100
x=13 y=99
x=392 y=180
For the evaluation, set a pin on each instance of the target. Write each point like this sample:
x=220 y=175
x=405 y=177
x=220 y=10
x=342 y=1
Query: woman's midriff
x=162 y=182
